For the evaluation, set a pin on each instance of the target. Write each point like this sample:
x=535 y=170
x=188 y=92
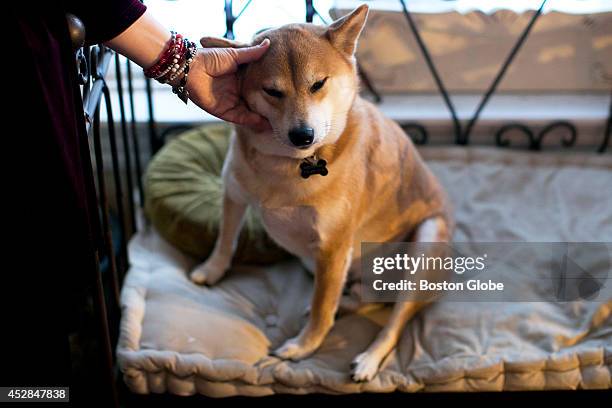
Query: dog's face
x=305 y=84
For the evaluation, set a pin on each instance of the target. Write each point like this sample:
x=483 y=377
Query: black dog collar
x=311 y=165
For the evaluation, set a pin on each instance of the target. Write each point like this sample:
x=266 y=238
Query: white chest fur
x=293 y=228
x=296 y=228
x=284 y=203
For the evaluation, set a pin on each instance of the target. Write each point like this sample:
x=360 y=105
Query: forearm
x=143 y=42
x=208 y=77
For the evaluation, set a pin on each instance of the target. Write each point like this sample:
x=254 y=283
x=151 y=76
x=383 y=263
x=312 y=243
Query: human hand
x=213 y=84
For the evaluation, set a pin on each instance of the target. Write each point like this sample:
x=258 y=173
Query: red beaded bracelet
x=173 y=65
x=169 y=58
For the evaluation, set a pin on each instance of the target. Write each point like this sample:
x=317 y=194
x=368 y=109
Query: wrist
x=173 y=65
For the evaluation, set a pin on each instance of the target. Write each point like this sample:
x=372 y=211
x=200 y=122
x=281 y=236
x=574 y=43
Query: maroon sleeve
x=104 y=20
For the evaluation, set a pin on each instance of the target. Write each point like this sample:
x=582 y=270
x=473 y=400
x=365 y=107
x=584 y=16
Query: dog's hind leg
x=351 y=302
x=365 y=366
x=221 y=257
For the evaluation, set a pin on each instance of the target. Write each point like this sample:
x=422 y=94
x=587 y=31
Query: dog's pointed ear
x=344 y=32
x=218 y=42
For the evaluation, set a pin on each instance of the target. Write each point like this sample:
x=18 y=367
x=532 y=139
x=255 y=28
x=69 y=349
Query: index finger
x=250 y=54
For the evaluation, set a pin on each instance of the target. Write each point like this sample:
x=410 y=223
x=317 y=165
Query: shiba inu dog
x=332 y=173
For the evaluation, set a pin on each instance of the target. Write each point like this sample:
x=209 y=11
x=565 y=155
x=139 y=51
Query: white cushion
x=184 y=339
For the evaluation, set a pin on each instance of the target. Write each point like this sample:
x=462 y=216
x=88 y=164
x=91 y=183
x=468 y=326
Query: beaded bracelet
x=170 y=66
x=174 y=63
x=178 y=68
x=181 y=90
x=171 y=52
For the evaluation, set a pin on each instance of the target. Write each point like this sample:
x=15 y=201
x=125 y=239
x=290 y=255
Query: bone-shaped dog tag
x=308 y=169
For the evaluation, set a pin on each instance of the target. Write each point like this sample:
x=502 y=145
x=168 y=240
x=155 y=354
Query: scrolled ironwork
x=535 y=139
x=417 y=132
x=566 y=141
x=504 y=142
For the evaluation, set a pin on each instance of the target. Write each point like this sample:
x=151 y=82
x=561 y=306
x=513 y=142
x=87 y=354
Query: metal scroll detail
x=462 y=134
x=535 y=140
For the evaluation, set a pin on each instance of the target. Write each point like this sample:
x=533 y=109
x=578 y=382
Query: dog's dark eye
x=318 y=85
x=273 y=92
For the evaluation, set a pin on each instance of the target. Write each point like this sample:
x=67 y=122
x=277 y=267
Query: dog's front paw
x=365 y=366
x=295 y=349
x=210 y=272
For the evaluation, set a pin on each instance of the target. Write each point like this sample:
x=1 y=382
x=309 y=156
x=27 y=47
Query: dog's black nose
x=301 y=136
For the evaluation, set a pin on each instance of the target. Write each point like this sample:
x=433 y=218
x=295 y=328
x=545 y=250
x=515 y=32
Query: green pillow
x=183 y=193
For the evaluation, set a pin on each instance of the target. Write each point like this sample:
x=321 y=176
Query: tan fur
x=378 y=188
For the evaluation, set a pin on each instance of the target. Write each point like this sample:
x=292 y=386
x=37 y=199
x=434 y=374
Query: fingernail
x=264 y=43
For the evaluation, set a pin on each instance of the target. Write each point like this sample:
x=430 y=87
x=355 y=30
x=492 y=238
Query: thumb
x=250 y=54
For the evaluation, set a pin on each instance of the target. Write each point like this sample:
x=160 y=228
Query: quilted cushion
x=185 y=339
